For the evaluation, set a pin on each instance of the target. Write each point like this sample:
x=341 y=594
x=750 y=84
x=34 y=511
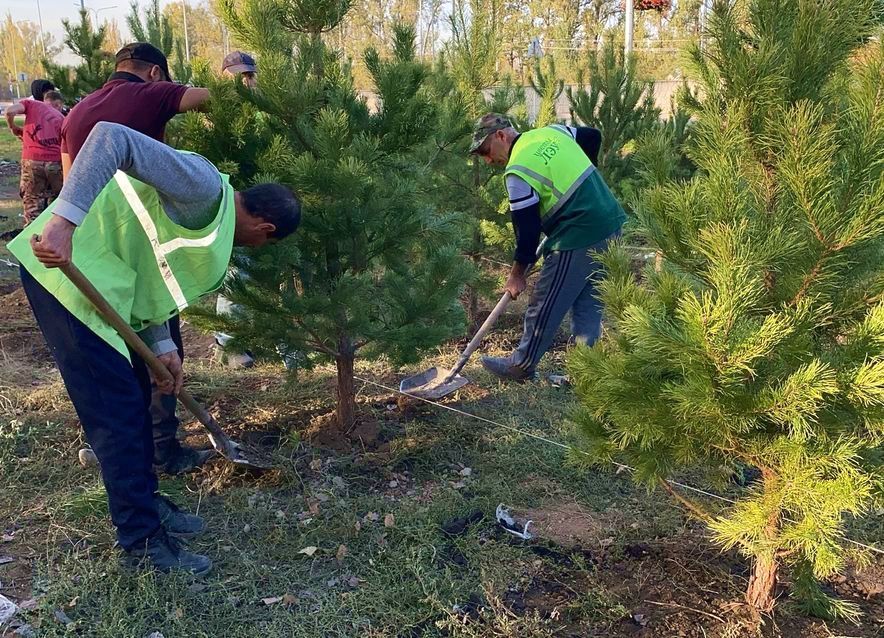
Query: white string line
x=564 y=446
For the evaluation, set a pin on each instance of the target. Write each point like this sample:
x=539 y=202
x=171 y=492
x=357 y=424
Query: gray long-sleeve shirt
x=189 y=187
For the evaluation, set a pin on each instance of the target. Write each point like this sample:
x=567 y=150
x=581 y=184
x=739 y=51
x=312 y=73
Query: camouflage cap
x=485 y=126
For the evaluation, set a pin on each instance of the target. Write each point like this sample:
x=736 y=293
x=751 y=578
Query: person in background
x=40 y=87
x=140 y=94
x=241 y=65
x=41 y=177
x=554 y=188
x=237 y=63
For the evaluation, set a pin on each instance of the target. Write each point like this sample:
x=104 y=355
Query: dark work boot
x=165 y=554
x=502 y=367
x=175 y=522
x=175 y=458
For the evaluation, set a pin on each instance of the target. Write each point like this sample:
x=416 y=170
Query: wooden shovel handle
x=137 y=344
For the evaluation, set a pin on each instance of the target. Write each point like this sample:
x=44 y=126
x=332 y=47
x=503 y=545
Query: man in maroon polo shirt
x=141 y=95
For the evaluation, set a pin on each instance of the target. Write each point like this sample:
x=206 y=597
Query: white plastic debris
x=7 y=609
x=506 y=521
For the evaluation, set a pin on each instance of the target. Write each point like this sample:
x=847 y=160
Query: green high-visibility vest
x=146 y=266
x=553 y=164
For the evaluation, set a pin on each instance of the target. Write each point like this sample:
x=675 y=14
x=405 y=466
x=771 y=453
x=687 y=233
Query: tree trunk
x=346 y=396
x=472 y=307
x=762 y=583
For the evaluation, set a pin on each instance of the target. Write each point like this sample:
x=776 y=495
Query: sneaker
x=502 y=368
x=165 y=554
x=176 y=522
x=233 y=360
x=182 y=460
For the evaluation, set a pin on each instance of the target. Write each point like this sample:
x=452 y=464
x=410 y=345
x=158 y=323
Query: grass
x=398 y=575
x=382 y=565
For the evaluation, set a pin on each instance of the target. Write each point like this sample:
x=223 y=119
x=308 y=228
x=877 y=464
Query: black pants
x=111 y=396
x=162 y=410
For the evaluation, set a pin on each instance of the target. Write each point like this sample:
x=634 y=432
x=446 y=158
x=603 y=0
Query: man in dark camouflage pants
x=41 y=174
x=40 y=184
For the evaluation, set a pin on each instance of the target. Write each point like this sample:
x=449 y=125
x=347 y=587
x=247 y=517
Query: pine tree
x=465 y=84
x=618 y=103
x=85 y=42
x=760 y=341
x=548 y=86
x=375 y=269
x=156 y=28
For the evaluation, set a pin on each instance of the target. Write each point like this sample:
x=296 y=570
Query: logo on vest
x=547 y=150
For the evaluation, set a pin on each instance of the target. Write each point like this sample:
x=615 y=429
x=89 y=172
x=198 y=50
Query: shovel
x=225 y=446
x=434 y=383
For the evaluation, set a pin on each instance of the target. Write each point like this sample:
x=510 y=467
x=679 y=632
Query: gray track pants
x=565 y=283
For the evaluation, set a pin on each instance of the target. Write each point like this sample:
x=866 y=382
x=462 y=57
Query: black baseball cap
x=145 y=52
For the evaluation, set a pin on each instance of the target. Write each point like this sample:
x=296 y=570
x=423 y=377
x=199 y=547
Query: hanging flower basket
x=652 y=5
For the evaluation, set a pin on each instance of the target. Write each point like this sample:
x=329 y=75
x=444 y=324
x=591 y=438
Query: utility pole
x=15 y=67
x=630 y=28
x=40 y=20
x=186 y=37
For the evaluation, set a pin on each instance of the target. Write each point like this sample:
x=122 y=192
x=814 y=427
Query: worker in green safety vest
x=153 y=229
x=555 y=189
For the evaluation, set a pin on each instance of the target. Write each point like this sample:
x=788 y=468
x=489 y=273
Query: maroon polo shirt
x=124 y=99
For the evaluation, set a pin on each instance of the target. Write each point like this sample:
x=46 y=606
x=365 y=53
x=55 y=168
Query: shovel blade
x=233 y=452
x=429 y=384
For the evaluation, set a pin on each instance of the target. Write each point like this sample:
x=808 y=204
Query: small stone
x=389 y=520
x=353 y=582
x=393 y=484
x=246 y=528
x=467 y=471
x=30 y=603
x=316 y=465
x=62 y=617
x=640 y=620
x=26 y=631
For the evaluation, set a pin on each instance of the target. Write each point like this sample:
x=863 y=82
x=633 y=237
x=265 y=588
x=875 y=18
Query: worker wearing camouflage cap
x=554 y=188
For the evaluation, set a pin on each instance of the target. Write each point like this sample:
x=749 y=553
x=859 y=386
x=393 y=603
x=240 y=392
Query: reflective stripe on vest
x=160 y=251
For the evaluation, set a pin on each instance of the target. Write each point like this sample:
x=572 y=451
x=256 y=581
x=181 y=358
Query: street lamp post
x=186 y=37
x=630 y=27
x=40 y=21
x=15 y=70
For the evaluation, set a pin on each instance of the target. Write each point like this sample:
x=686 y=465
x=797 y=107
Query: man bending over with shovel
x=153 y=229
x=554 y=188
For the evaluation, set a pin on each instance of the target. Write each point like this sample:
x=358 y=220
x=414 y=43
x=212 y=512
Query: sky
x=54 y=10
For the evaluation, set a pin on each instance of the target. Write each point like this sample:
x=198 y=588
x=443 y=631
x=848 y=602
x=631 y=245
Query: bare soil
x=678 y=586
